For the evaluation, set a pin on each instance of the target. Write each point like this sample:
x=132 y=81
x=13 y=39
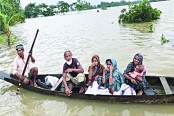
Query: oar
x=4 y=75
x=57 y=84
x=28 y=59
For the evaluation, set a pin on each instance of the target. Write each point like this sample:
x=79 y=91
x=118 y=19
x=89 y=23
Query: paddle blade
x=4 y=75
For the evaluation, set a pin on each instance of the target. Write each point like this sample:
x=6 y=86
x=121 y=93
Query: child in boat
x=138 y=73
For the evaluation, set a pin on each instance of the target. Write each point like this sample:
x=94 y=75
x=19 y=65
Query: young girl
x=112 y=77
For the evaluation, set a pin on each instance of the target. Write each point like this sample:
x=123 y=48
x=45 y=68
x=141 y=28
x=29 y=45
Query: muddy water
x=87 y=33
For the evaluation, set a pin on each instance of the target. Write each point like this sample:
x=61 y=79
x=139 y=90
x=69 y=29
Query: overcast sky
x=49 y=2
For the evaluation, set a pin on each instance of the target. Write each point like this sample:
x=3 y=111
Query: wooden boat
x=161 y=86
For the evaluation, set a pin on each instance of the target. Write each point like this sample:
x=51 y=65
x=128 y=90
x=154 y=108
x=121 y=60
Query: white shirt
x=19 y=64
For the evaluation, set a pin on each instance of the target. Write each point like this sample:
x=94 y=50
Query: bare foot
x=81 y=90
x=35 y=85
x=140 y=92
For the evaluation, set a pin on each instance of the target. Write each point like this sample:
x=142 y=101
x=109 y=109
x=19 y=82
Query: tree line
x=122 y=2
x=11 y=12
x=32 y=10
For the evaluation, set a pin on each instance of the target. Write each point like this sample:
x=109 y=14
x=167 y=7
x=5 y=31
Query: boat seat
x=165 y=85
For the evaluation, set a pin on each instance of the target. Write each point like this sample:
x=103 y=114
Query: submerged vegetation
x=163 y=39
x=10 y=14
x=143 y=12
x=151 y=28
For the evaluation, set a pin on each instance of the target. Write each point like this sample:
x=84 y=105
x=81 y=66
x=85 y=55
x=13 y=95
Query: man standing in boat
x=72 y=71
x=19 y=64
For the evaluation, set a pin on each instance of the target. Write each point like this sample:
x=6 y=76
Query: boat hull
x=144 y=99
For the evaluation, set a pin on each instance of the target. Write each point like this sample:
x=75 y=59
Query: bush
x=139 y=13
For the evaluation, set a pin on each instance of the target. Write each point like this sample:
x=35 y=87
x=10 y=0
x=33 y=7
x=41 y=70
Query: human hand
x=96 y=77
x=69 y=70
x=21 y=77
x=106 y=69
x=111 y=67
x=93 y=64
x=110 y=80
x=68 y=92
x=133 y=81
x=30 y=53
x=139 y=78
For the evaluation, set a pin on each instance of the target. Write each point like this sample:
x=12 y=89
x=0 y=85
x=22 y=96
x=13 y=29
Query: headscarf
x=116 y=73
x=117 y=78
x=131 y=65
x=97 y=57
x=140 y=58
x=114 y=64
x=96 y=70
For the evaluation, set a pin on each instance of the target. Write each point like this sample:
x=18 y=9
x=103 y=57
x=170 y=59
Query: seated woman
x=95 y=70
x=139 y=82
x=112 y=77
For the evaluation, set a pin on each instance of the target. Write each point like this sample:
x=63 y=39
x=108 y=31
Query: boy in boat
x=19 y=64
x=72 y=71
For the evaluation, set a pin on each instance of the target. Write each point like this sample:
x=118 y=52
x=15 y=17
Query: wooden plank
x=165 y=85
x=57 y=84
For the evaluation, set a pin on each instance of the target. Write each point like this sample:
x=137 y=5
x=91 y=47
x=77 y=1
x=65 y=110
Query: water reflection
x=30 y=103
x=51 y=105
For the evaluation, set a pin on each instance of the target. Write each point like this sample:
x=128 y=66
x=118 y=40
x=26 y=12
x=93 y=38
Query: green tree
x=82 y=5
x=47 y=10
x=31 y=10
x=9 y=14
x=72 y=6
x=139 y=13
x=63 y=7
x=52 y=10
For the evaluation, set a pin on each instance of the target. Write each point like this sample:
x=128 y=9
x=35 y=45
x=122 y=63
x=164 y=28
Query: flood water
x=87 y=33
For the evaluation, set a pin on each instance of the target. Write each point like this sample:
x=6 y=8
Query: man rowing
x=30 y=74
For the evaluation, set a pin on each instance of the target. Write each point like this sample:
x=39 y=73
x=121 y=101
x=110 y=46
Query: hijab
x=131 y=66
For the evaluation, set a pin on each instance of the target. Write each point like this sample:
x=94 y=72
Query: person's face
x=136 y=60
x=108 y=64
x=94 y=61
x=20 y=52
x=68 y=56
x=137 y=69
